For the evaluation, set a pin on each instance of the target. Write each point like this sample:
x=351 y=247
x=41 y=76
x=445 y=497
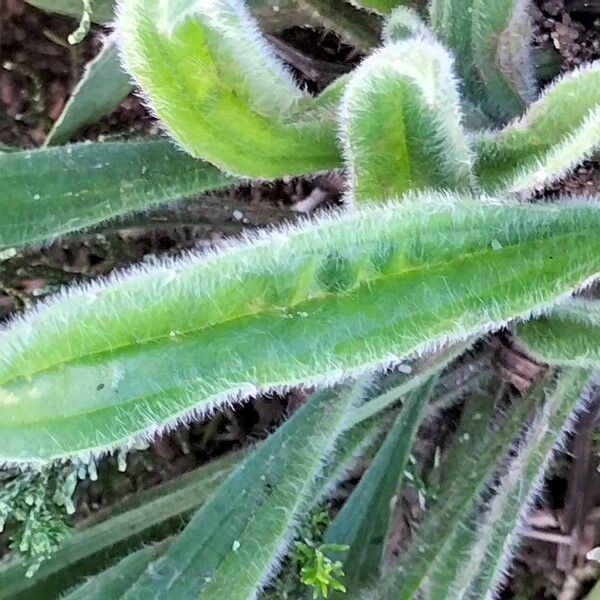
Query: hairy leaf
x=50 y=192
x=474 y=435
x=568 y=334
x=141 y=518
x=400 y=122
x=404 y=23
x=235 y=540
x=490 y=43
x=115 y=581
x=421 y=371
x=556 y=134
x=448 y=515
x=497 y=529
x=363 y=521
x=219 y=90
x=352 y=443
x=308 y=303
x=103 y=85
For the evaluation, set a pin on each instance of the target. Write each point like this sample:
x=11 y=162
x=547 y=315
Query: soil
x=38 y=69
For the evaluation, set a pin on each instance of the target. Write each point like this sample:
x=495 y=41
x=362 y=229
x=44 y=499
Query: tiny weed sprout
x=379 y=314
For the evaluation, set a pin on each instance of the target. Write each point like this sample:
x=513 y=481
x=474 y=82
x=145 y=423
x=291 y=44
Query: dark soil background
x=38 y=69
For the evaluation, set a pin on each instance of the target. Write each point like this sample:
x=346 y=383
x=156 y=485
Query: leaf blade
x=209 y=102
x=101 y=88
x=558 y=132
x=569 y=334
x=400 y=123
x=233 y=544
x=363 y=521
x=340 y=279
x=50 y=192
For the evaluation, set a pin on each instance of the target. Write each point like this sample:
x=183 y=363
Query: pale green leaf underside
x=400 y=122
x=558 y=132
x=219 y=90
x=304 y=304
x=568 y=334
x=234 y=541
x=103 y=85
x=50 y=192
x=363 y=521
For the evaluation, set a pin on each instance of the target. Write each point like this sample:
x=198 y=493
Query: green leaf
x=421 y=370
x=568 y=334
x=450 y=512
x=219 y=90
x=305 y=304
x=400 y=122
x=474 y=434
x=556 y=134
x=103 y=85
x=353 y=442
x=103 y=11
x=50 y=192
x=363 y=521
x=115 y=581
x=234 y=542
x=497 y=529
x=142 y=518
x=490 y=41
x=404 y=23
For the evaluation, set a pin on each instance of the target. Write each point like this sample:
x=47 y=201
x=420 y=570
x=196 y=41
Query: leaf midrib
x=382 y=277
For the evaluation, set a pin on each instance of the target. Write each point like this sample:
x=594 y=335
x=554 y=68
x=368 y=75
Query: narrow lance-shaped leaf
x=557 y=133
x=115 y=581
x=498 y=529
x=142 y=518
x=303 y=304
x=51 y=192
x=473 y=432
x=235 y=541
x=103 y=85
x=352 y=443
x=474 y=435
x=401 y=384
x=218 y=88
x=490 y=41
x=450 y=512
x=400 y=123
x=363 y=521
x=568 y=334
x=480 y=549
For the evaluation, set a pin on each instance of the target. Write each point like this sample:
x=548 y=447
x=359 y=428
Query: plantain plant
x=433 y=250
